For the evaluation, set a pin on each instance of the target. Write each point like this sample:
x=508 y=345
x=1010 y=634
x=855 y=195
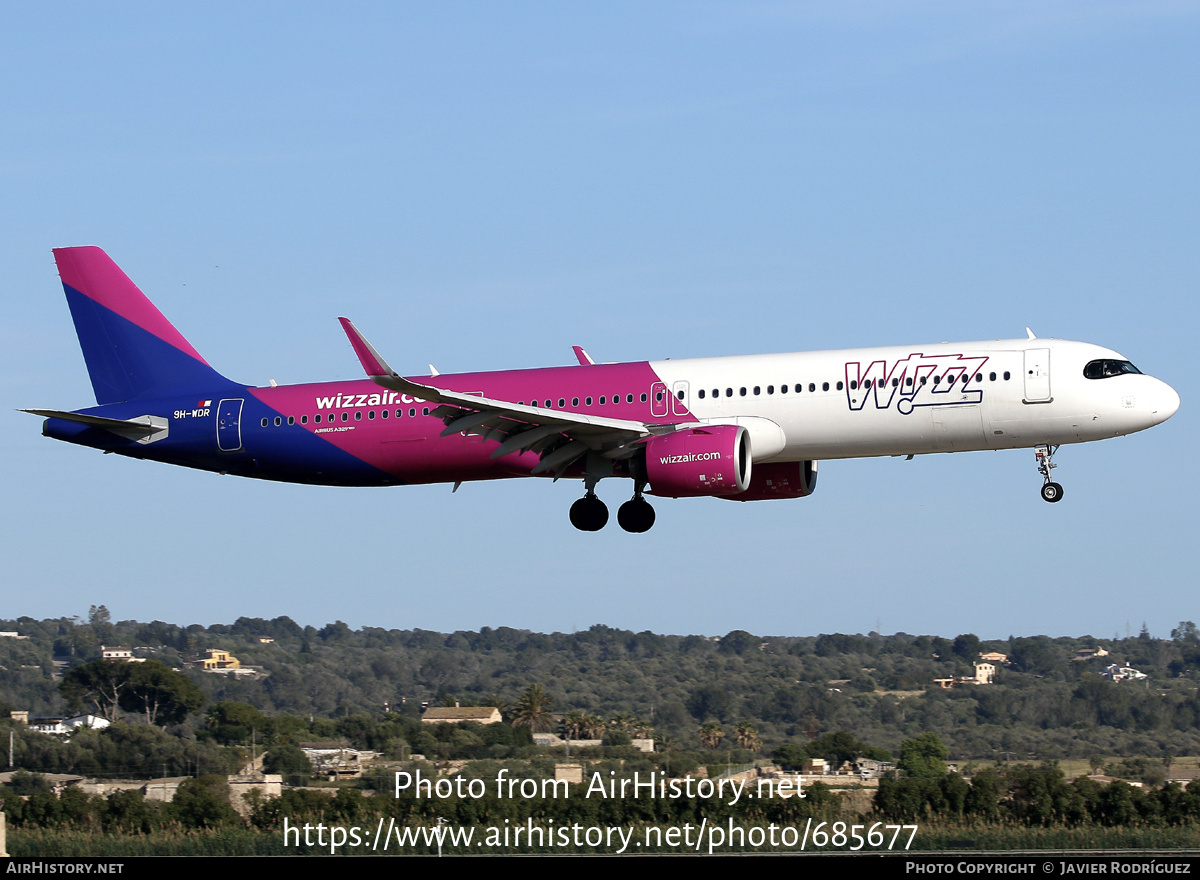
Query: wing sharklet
x=378 y=371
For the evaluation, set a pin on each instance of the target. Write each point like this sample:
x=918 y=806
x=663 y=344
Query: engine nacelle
x=709 y=461
x=780 y=479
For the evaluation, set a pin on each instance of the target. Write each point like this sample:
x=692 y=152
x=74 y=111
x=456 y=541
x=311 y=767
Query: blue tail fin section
x=131 y=350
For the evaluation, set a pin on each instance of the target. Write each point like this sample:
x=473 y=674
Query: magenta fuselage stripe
x=89 y=271
x=411 y=446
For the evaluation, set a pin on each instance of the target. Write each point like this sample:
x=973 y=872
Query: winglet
x=1030 y=332
x=371 y=360
x=582 y=356
x=380 y=373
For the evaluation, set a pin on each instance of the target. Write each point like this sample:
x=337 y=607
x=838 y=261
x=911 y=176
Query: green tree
x=837 y=748
x=232 y=722
x=97 y=686
x=790 y=756
x=290 y=762
x=923 y=757
x=203 y=803
x=161 y=694
x=1186 y=632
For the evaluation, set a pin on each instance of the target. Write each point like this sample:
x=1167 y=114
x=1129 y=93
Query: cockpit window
x=1106 y=368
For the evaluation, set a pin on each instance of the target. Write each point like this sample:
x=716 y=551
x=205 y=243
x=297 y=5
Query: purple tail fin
x=131 y=350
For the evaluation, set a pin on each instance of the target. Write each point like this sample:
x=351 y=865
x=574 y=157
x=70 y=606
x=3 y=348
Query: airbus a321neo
x=743 y=428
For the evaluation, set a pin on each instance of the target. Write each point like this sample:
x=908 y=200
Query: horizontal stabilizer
x=144 y=429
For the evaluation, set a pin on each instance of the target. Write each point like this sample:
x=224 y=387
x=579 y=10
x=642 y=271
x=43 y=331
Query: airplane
x=747 y=428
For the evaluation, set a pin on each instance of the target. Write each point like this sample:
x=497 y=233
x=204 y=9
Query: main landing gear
x=1051 y=491
x=589 y=513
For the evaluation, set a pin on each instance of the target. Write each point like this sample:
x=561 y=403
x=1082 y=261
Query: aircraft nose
x=1163 y=402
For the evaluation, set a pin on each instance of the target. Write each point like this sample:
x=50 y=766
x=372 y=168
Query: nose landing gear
x=1051 y=491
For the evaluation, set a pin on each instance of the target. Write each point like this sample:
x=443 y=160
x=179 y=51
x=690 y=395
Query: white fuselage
x=903 y=400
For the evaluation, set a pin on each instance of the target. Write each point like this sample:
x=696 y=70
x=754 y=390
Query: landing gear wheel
x=636 y=515
x=589 y=514
x=1044 y=454
x=1052 y=492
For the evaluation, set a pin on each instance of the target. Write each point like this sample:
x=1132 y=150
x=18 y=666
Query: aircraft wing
x=559 y=436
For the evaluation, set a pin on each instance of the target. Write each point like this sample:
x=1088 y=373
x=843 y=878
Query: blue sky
x=483 y=186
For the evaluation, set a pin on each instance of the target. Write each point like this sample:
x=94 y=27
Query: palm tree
x=532 y=709
x=711 y=734
x=747 y=736
x=631 y=724
x=575 y=723
x=593 y=726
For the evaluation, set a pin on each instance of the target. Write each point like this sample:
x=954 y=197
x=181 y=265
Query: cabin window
x=424 y=410
x=291 y=420
x=358 y=417
x=412 y=412
x=757 y=390
x=1007 y=375
x=839 y=386
x=278 y=421
x=679 y=394
x=264 y=423
x=602 y=400
x=824 y=386
x=588 y=402
x=742 y=391
x=908 y=381
x=854 y=385
x=991 y=377
x=700 y=393
x=629 y=398
x=304 y=420
x=383 y=413
x=782 y=389
x=770 y=389
x=371 y=415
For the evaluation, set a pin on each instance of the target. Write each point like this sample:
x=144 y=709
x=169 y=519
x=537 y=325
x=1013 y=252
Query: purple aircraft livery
x=742 y=428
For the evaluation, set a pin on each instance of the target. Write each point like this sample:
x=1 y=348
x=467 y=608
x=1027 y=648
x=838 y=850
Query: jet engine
x=779 y=479
x=710 y=461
